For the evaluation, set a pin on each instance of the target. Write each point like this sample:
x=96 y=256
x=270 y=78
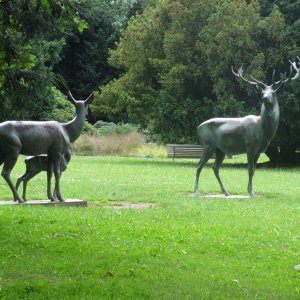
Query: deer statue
x=250 y=134
x=40 y=137
x=37 y=164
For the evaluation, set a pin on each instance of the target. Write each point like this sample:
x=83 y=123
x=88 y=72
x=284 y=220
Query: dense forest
x=164 y=65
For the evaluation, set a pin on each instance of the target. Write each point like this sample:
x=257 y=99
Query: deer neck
x=270 y=118
x=75 y=126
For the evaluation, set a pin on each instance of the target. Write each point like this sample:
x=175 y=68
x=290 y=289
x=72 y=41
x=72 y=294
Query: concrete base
x=67 y=202
x=221 y=196
x=224 y=197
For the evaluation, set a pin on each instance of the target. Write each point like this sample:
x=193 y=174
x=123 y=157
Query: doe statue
x=37 y=164
x=40 y=137
x=250 y=134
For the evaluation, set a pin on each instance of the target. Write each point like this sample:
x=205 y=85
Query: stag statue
x=37 y=164
x=36 y=138
x=250 y=134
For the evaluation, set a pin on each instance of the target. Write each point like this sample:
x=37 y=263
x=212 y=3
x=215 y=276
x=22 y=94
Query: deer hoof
x=197 y=194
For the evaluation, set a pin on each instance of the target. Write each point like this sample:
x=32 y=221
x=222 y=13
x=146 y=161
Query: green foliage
x=177 y=57
x=84 y=63
x=116 y=104
x=157 y=73
x=62 y=109
x=104 y=128
x=28 y=52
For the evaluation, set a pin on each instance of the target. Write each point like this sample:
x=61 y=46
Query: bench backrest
x=184 y=151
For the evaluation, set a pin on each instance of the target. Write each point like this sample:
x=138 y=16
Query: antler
x=90 y=98
x=275 y=84
x=239 y=74
x=290 y=78
x=71 y=98
x=293 y=65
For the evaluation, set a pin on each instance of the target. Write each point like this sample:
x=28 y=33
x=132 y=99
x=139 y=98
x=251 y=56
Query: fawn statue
x=250 y=134
x=37 y=164
x=40 y=137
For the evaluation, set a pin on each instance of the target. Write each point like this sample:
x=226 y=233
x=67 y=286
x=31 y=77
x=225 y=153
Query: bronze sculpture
x=250 y=134
x=37 y=164
x=36 y=138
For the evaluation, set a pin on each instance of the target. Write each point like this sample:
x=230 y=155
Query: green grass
x=185 y=247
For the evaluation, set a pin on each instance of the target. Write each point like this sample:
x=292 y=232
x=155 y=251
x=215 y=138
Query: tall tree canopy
x=31 y=40
x=84 y=63
x=177 y=57
x=63 y=43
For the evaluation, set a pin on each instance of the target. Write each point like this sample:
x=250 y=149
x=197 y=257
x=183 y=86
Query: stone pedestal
x=67 y=202
x=225 y=197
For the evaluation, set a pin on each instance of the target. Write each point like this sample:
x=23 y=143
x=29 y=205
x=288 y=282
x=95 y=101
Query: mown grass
x=185 y=247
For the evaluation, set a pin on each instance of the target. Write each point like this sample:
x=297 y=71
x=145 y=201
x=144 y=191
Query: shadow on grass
x=169 y=163
x=193 y=163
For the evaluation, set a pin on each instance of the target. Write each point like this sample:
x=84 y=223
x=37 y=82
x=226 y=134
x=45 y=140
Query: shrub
x=104 y=128
x=114 y=144
x=62 y=111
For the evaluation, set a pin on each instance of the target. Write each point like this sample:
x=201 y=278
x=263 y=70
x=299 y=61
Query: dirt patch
x=127 y=204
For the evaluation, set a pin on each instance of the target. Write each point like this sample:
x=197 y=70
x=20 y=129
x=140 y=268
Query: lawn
x=183 y=247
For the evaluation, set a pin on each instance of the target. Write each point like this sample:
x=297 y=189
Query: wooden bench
x=185 y=151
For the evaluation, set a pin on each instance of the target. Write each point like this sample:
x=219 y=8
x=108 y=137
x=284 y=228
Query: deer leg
x=55 y=193
x=207 y=152
x=9 y=163
x=216 y=167
x=29 y=176
x=49 y=177
x=252 y=160
x=19 y=180
x=56 y=169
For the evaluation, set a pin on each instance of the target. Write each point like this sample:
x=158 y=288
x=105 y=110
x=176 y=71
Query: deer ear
x=89 y=99
x=71 y=98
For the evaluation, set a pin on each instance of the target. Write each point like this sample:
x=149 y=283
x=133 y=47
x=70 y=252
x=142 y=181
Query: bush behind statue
x=101 y=128
x=112 y=144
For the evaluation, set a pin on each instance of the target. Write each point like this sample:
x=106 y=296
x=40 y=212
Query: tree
x=287 y=141
x=164 y=80
x=28 y=52
x=84 y=64
x=177 y=57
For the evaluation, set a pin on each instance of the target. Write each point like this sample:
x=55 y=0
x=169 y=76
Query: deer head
x=81 y=105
